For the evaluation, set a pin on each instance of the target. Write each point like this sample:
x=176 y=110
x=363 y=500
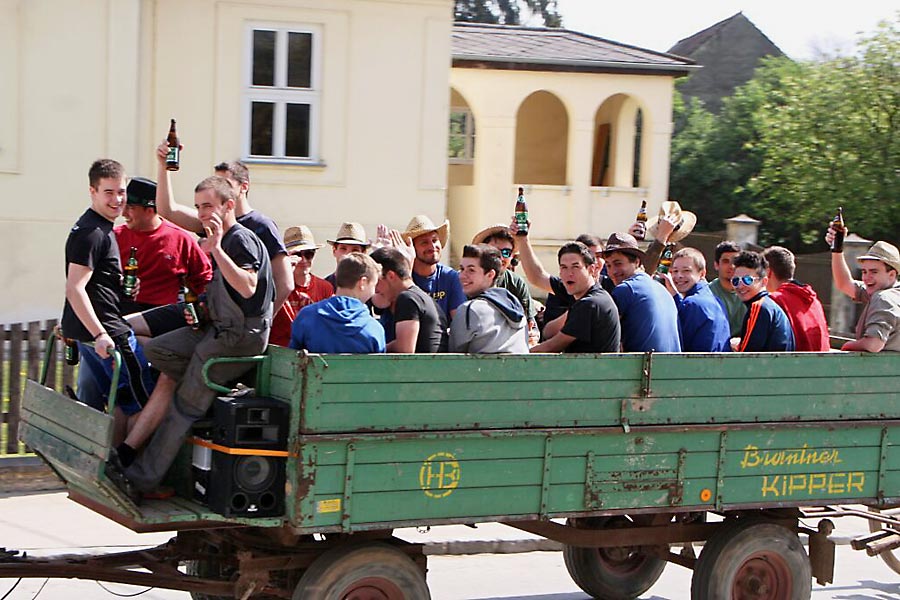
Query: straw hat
x=684 y=221
x=421 y=224
x=624 y=243
x=300 y=238
x=886 y=253
x=484 y=234
x=351 y=233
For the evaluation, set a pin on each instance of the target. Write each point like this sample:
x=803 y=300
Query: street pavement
x=45 y=524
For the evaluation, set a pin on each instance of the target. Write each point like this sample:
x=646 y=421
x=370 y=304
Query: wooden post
x=15 y=387
x=53 y=366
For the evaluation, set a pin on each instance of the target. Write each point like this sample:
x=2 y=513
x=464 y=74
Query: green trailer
x=618 y=457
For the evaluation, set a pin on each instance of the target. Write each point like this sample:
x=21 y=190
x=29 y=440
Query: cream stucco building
x=340 y=107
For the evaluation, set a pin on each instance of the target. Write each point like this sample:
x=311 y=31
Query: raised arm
x=840 y=271
x=534 y=270
x=181 y=215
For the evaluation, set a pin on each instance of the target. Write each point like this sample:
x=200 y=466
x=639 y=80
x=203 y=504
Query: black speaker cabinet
x=243 y=484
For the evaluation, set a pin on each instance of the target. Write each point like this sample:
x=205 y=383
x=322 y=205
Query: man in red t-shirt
x=308 y=288
x=166 y=253
x=799 y=301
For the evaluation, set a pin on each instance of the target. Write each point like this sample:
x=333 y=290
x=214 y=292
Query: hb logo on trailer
x=240 y=471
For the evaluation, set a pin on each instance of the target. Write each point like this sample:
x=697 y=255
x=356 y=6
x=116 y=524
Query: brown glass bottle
x=838 y=225
x=521 y=214
x=72 y=356
x=642 y=219
x=173 y=157
x=189 y=298
x=130 y=271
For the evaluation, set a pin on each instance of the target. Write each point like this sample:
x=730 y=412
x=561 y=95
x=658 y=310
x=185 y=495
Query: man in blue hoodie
x=342 y=324
x=492 y=321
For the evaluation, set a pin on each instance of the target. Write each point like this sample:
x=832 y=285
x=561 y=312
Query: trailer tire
x=891 y=557
x=752 y=559
x=373 y=570
x=612 y=573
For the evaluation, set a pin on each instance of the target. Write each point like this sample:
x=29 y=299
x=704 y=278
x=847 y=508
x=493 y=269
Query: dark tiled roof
x=503 y=46
x=689 y=45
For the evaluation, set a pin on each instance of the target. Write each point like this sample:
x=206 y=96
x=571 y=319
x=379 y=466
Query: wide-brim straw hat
x=885 y=252
x=300 y=238
x=684 y=223
x=624 y=243
x=420 y=225
x=484 y=234
x=351 y=233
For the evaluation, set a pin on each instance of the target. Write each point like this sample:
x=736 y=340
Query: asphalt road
x=51 y=524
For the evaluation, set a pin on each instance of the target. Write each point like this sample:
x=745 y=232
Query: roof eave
x=570 y=65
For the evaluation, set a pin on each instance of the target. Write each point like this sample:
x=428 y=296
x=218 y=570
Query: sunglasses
x=506 y=252
x=307 y=254
x=745 y=280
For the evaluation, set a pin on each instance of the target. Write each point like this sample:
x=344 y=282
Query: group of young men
x=256 y=287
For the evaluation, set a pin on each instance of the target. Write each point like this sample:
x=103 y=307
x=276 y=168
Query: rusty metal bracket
x=821 y=552
x=654 y=535
x=348 y=487
x=647 y=375
x=720 y=468
x=592 y=499
x=882 y=464
x=623 y=415
x=545 y=480
x=676 y=495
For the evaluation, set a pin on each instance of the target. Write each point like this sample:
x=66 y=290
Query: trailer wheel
x=373 y=571
x=752 y=560
x=612 y=573
x=891 y=557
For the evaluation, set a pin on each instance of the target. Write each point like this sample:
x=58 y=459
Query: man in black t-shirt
x=239 y=302
x=93 y=287
x=592 y=322
x=420 y=326
x=265 y=229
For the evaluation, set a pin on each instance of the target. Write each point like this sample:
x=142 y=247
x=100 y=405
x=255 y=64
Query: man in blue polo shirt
x=648 y=314
x=438 y=280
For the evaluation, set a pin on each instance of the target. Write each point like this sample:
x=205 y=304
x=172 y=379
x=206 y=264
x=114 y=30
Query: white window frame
x=469 y=136
x=281 y=95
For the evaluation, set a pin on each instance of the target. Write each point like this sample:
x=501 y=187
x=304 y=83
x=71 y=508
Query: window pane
x=261 y=115
x=457 y=147
x=296 y=137
x=457 y=123
x=299 y=60
x=263 y=57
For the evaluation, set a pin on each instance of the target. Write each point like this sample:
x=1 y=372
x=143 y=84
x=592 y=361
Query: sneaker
x=115 y=472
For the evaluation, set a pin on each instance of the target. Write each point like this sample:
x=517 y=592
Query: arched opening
x=619 y=143
x=542 y=140
x=461 y=141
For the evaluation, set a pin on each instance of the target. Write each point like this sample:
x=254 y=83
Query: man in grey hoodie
x=492 y=321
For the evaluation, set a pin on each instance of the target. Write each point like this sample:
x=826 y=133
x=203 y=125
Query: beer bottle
x=189 y=299
x=838 y=225
x=71 y=351
x=642 y=219
x=521 y=214
x=130 y=270
x=665 y=260
x=173 y=158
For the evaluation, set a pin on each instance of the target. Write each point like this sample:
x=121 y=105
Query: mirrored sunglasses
x=506 y=252
x=307 y=254
x=745 y=280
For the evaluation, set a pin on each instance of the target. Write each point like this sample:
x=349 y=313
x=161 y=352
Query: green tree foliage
x=796 y=142
x=506 y=12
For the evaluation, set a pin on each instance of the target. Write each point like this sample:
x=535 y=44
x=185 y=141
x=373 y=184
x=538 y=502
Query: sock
x=126 y=454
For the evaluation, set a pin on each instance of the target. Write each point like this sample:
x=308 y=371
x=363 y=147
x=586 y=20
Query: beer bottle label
x=172 y=155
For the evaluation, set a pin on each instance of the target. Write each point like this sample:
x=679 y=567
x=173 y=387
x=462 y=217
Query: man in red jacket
x=798 y=300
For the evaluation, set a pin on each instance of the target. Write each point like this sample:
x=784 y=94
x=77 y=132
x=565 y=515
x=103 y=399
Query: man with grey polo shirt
x=879 y=326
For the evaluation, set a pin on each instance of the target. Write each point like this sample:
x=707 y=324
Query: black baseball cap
x=141 y=192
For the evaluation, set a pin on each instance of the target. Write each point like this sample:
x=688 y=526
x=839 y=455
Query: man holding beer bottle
x=878 y=328
x=94 y=294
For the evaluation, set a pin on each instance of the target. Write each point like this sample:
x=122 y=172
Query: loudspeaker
x=228 y=476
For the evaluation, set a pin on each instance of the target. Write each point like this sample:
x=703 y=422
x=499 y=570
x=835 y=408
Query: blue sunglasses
x=746 y=280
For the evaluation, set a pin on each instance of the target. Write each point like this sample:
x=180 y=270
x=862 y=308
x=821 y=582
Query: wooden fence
x=22 y=347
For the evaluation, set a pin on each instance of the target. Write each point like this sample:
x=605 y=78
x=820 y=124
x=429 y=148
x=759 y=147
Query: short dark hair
x=392 y=260
x=726 y=246
x=105 y=168
x=781 y=262
x=591 y=240
x=354 y=267
x=577 y=248
x=236 y=169
x=502 y=234
x=220 y=186
x=488 y=257
x=752 y=260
